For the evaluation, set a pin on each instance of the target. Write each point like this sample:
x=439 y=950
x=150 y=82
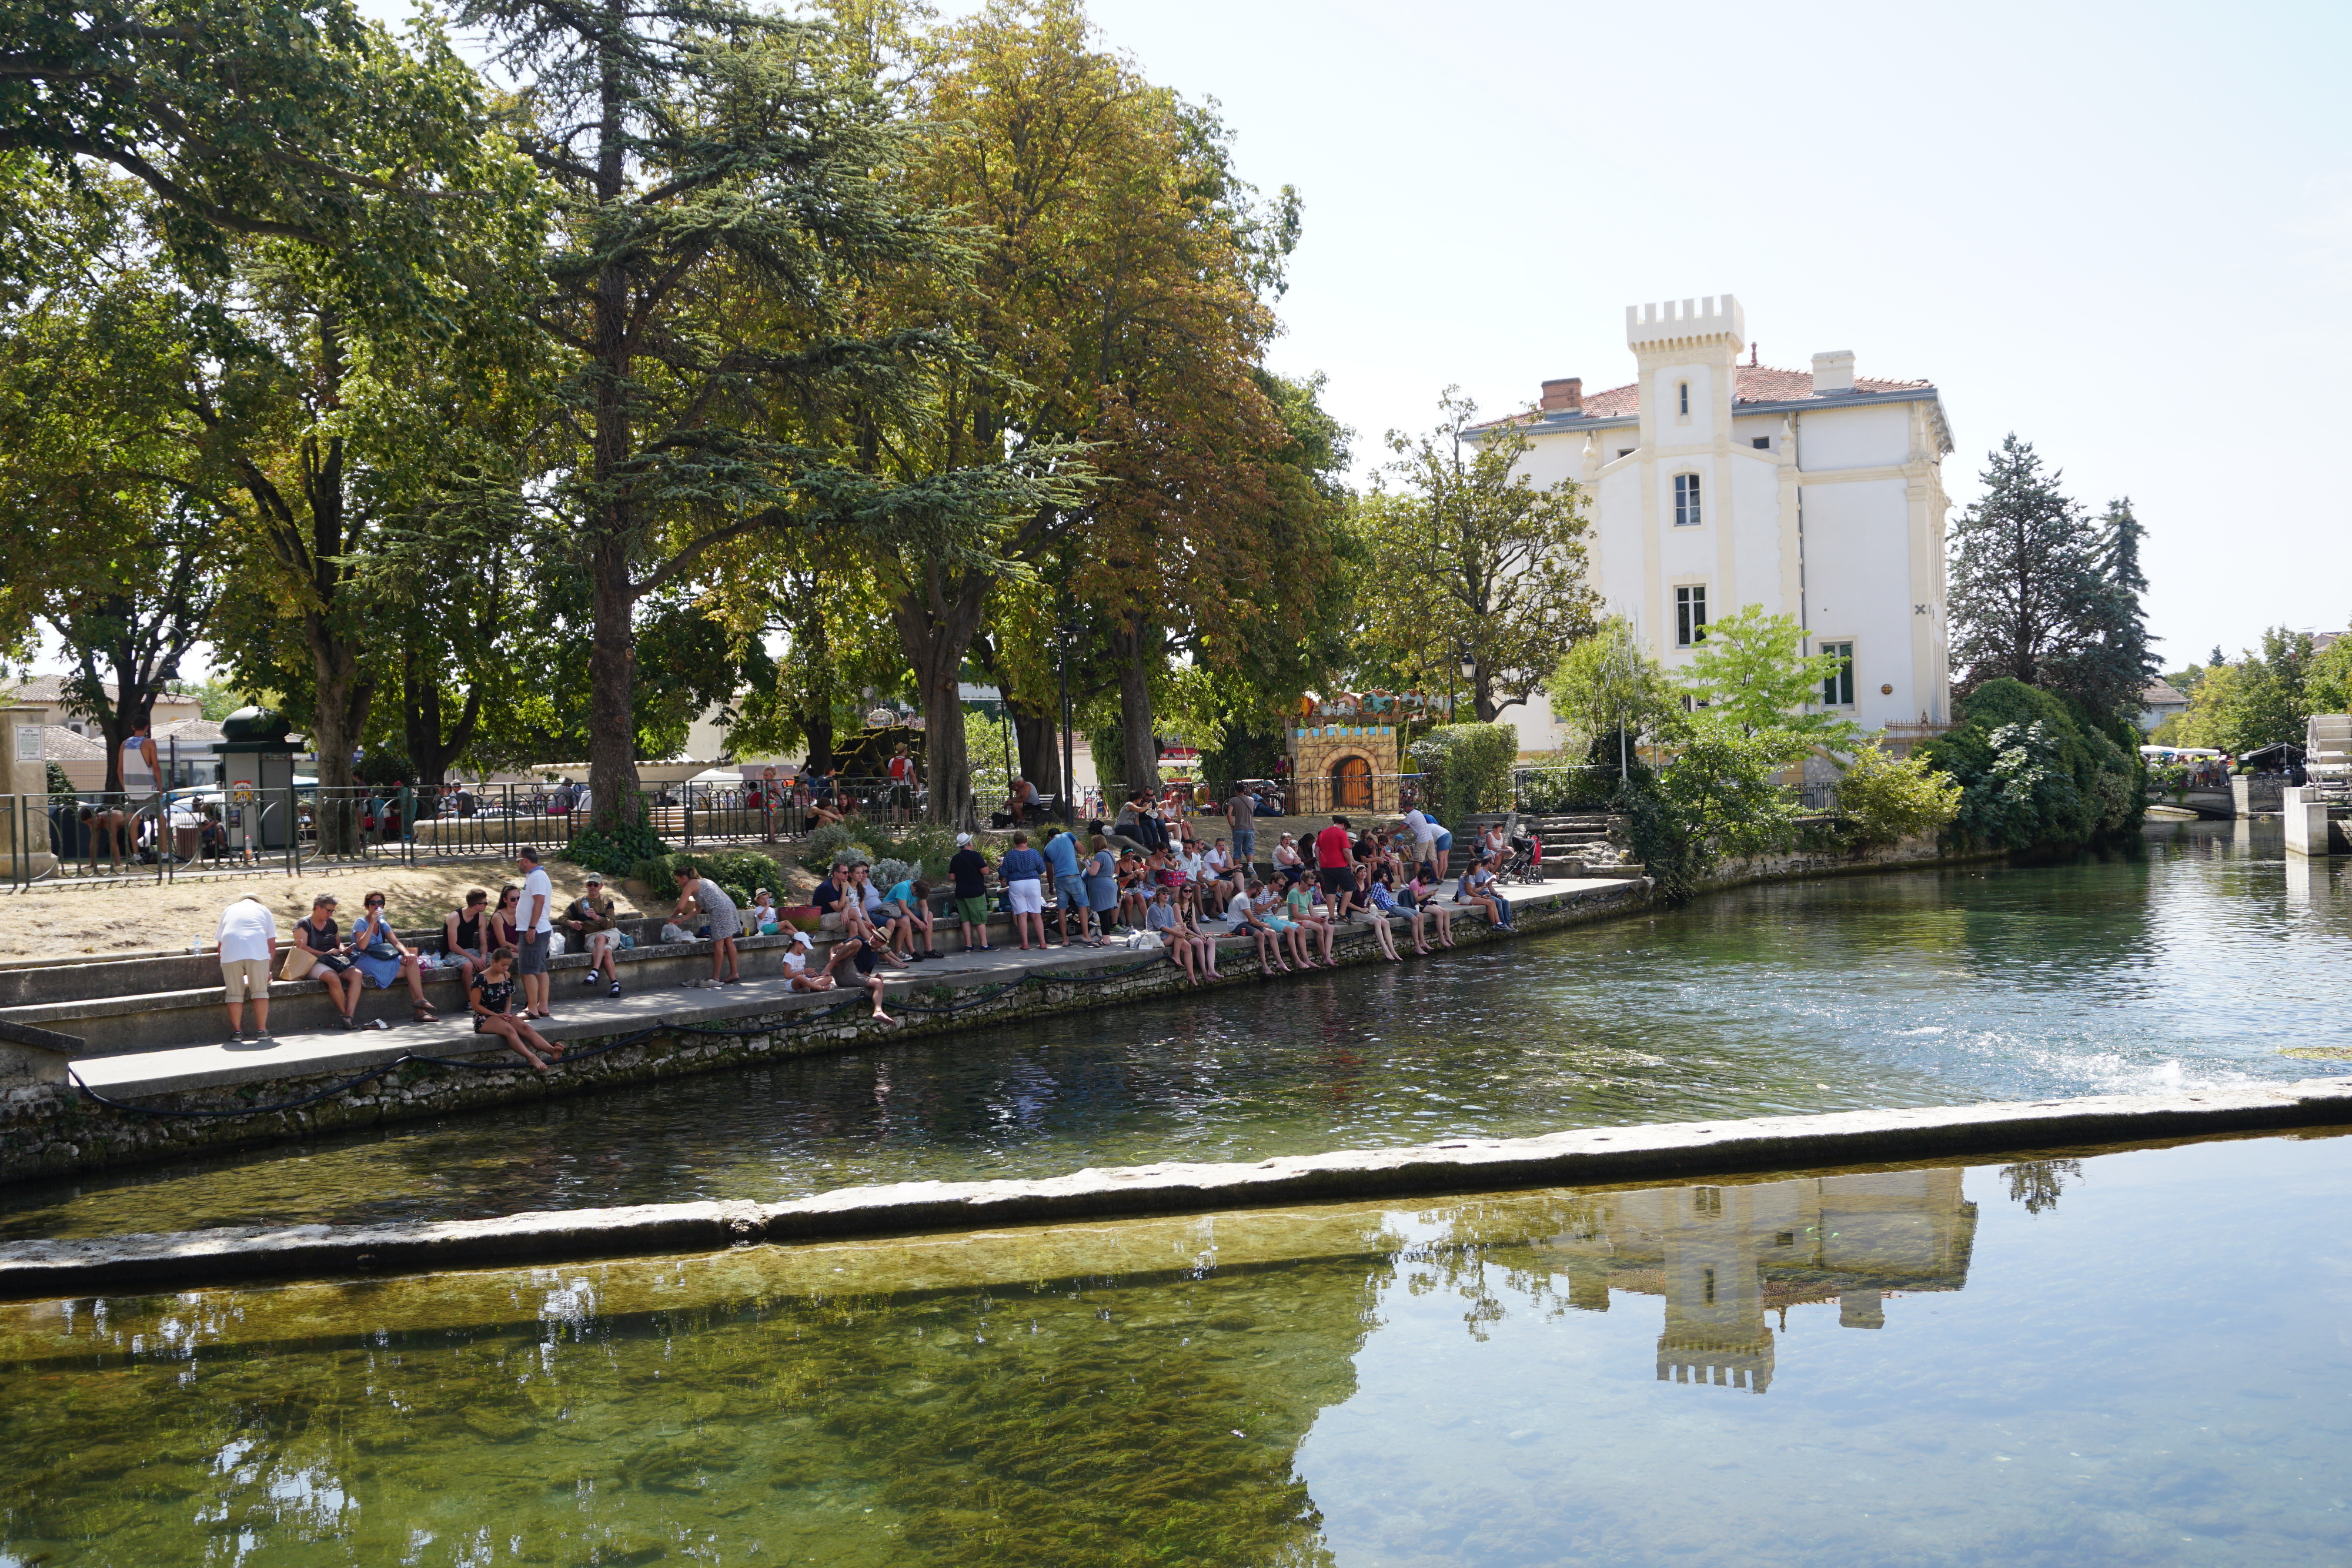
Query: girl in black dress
x=491 y=996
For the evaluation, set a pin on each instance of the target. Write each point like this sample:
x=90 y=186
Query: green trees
x=2264 y=698
x=1606 y=688
x=512 y=423
x=2042 y=594
x=727 y=191
x=1479 y=570
x=113 y=513
x=1752 y=673
x=2327 y=685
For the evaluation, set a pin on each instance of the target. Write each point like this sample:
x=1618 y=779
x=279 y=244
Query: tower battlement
x=1717 y=318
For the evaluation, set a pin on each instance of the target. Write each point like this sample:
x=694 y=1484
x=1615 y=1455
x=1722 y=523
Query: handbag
x=297 y=965
x=384 y=951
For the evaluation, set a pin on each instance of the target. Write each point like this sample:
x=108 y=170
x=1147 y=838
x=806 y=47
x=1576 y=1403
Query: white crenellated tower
x=1717 y=482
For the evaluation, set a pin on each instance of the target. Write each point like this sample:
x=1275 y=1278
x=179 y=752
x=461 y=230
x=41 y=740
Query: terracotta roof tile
x=59 y=744
x=1756 y=383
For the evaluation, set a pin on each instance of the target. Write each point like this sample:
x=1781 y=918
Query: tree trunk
x=937 y=618
x=1139 y=649
x=611 y=658
x=816 y=700
x=1038 y=741
x=343 y=697
x=1482 y=697
x=420 y=710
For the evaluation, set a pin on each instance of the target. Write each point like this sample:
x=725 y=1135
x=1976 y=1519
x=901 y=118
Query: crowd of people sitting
x=1141 y=872
x=1186 y=890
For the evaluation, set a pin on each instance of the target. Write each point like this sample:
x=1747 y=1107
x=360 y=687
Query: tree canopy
x=1480 y=568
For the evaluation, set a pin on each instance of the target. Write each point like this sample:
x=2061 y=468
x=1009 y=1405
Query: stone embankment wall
x=1798 y=865
x=52 y=1130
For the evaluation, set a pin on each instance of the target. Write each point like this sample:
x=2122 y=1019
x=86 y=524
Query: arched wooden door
x=1352 y=785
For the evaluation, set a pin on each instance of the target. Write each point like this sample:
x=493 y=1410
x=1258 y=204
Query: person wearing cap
x=796 y=970
x=969 y=867
x=590 y=920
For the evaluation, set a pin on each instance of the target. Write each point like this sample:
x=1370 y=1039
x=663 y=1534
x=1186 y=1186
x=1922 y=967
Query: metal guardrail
x=97 y=838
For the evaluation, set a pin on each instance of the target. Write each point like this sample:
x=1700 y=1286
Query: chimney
x=1564 y=395
x=1833 y=371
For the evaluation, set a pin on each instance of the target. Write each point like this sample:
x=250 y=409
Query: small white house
x=1716 y=483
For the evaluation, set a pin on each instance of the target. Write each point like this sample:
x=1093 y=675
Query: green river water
x=2121 y=1357
x=2195 y=963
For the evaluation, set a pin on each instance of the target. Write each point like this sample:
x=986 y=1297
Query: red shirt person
x=1334 y=865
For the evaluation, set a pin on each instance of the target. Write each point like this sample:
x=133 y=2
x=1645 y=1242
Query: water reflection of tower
x=1724 y=1257
x=1715 y=1329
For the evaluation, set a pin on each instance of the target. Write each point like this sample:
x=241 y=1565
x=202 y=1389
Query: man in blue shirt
x=1024 y=870
x=1069 y=887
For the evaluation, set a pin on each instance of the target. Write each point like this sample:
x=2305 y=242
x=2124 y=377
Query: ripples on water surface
x=2137 y=1359
x=2192 y=965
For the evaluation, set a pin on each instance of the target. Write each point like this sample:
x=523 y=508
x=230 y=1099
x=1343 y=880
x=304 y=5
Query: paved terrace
x=586 y=1016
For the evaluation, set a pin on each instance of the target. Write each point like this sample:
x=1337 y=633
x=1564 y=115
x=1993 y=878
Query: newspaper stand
x=257 y=781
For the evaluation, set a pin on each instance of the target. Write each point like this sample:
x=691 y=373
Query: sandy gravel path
x=145 y=917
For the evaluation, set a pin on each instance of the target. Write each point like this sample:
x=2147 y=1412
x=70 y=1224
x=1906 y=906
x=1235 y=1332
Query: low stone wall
x=48 y=1130
x=1801 y=865
x=1581 y=1159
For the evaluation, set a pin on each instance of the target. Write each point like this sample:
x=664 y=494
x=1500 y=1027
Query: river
x=2197 y=959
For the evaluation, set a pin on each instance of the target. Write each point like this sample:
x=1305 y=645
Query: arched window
x=1686 y=514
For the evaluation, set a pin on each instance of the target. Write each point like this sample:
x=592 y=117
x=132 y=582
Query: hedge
x=1469 y=768
x=2033 y=775
x=740 y=872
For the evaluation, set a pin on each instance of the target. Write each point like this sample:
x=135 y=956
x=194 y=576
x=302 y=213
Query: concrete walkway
x=585 y=1015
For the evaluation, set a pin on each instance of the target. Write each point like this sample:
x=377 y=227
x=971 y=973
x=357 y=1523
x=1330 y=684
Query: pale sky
x=2123 y=231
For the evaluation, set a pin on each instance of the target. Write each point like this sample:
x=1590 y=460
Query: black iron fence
x=96 y=837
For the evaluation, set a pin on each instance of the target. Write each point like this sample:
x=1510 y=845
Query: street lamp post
x=1064 y=634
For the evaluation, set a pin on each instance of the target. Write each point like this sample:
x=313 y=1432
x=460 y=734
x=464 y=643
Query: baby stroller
x=1525 y=862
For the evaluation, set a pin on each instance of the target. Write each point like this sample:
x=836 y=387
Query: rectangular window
x=1762 y=443
x=1690 y=614
x=1837 y=688
x=1685 y=500
x=1624 y=452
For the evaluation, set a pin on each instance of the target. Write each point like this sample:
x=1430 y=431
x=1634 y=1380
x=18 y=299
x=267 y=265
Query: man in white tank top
x=139 y=779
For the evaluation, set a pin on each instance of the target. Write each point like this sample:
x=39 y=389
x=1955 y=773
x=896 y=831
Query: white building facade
x=1715 y=484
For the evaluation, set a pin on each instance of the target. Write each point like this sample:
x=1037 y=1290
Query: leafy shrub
x=836 y=840
x=383 y=765
x=2032 y=776
x=1716 y=798
x=889 y=873
x=928 y=847
x=1890 y=798
x=1469 y=768
x=1567 y=787
x=740 y=872
x=60 y=784
x=614 y=851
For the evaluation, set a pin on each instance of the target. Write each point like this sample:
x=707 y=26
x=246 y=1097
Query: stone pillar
x=25 y=780
x=2306 y=822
